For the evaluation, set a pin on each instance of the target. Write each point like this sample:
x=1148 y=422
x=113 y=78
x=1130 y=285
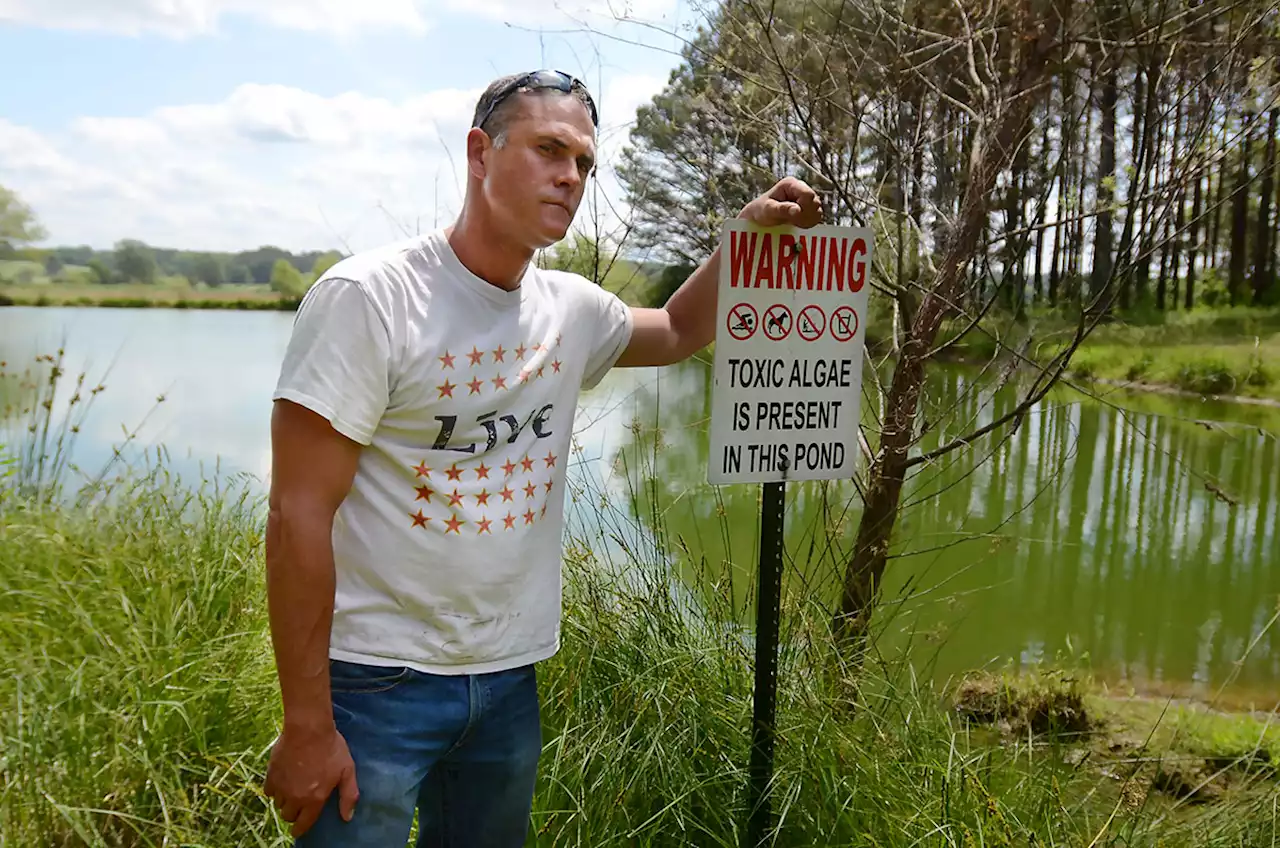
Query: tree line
x=134 y=261
x=1158 y=116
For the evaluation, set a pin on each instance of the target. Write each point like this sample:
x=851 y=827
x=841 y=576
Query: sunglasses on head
x=535 y=80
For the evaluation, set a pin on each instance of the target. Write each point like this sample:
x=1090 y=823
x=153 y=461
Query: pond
x=1137 y=533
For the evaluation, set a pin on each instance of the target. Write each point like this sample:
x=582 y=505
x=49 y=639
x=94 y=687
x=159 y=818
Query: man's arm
x=687 y=323
x=312 y=468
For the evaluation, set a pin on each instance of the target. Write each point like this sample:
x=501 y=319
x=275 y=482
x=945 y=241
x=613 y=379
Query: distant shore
x=1225 y=355
x=246 y=298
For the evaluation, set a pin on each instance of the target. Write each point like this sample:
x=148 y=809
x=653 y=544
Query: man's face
x=535 y=182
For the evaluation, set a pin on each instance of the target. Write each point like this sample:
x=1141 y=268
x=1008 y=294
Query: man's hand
x=688 y=321
x=304 y=769
x=790 y=202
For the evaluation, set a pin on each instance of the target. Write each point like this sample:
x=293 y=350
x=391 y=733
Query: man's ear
x=478 y=146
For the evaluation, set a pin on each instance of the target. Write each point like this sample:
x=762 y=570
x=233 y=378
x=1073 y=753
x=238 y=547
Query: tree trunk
x=1043 y=178
x=1263 y=244
x=1077 y=238
x=1173 y=245
x=1014 y=245
x=1146 y=81
x=1239 y=219
x=994 y=148
x=1193 y=242
x=1220 y=199
x=1102 y=240
x=1065 y=136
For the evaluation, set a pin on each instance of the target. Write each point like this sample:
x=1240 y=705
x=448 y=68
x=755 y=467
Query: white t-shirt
x=448 y=546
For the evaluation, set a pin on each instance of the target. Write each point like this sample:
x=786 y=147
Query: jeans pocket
x=355 y=678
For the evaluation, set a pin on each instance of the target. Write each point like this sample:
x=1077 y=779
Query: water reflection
x=1142 y=538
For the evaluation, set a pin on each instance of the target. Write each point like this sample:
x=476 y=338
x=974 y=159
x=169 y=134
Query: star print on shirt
x=499 y=383
x=520 y=352
x=529 y=516
x=482 y=473
x=447 y=360
x=455 y=499
x=510 y=521
x=475 y=386
x=484 y=526
x=555 y=366
x=424 y=494
x=454 y=523
x=499 y=354
x=550 y=460
x=447 y=389
x=423 y=470
x=509 y=468
x=475 y=356
x=483 y=498
x=455 y=473
x=530 y=490
x=549 y=484
x=420 y=520
x=527 y=463
x=506 y=493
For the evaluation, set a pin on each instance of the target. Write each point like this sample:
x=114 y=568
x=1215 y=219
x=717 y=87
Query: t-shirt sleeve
x=612 y=333
x=336 y=362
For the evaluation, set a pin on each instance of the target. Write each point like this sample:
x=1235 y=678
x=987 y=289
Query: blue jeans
x=463 y=751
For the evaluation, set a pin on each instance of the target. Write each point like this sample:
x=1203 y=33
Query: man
x=420 y=436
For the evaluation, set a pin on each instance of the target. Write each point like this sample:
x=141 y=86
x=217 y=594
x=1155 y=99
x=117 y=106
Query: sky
x=305 y=124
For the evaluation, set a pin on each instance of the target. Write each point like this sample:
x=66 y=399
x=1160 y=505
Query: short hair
x=500 y=119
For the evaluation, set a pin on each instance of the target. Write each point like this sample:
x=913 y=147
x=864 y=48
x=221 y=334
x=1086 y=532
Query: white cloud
x=268 y=164
x=624 y=95
x=188 y=17
x=588 y=11
x=181 y=18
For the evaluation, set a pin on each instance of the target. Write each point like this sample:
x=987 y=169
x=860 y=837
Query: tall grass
x=138 y=704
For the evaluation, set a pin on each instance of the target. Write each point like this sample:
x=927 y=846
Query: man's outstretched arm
x=687 y=323
x=312 y=467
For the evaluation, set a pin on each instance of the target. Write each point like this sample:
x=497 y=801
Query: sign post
x=785 y=407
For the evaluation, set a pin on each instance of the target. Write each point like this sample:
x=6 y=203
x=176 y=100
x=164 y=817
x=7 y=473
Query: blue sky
x=227 y=124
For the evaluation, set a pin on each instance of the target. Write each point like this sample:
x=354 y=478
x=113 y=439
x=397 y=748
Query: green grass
x=1209 y=352
x=170 y=293
x=139 y=702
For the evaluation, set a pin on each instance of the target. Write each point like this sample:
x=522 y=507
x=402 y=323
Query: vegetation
x=1228 y=352
x=18 y=224
x=1004 y=163
x=141 y=700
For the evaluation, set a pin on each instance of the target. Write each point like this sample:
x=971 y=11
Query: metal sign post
x=768 y=601
x=784 y=408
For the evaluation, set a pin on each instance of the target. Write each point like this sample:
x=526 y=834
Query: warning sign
x=788 y=373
